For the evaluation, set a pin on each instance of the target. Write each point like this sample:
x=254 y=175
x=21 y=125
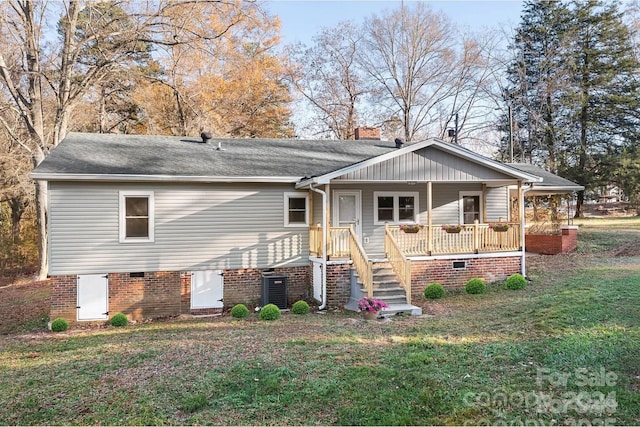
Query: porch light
x=411 y=182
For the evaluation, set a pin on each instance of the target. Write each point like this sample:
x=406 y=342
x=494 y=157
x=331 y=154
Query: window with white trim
x=136 y=216
x=296 y=209
x=470 y=206
x=394 y=207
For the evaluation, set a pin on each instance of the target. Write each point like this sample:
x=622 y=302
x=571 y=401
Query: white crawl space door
x=93 y=297
x=207 y=289
x=317 y=281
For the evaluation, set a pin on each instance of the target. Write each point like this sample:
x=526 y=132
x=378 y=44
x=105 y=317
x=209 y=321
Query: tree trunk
x=43 y=240
x=579 y=203
x=18 y=205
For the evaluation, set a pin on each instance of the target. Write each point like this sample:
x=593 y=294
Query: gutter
x=45 y=176
x=324 y=244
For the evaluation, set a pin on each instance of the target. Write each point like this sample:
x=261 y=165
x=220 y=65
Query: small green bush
x=475 y=286
x=59 y=325
x=119 y=320
x=515 y=282
x=434 y=291
x=270 y=312
x=300 y=307
x=239 y=311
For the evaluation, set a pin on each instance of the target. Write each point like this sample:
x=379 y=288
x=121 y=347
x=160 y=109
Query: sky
x=301 y=20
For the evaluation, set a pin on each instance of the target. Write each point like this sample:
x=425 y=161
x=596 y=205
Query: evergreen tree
x=604 y=97
x=536 y=81
x=573 y=85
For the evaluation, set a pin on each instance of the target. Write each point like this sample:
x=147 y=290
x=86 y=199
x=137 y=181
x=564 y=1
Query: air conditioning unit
x=274 y=291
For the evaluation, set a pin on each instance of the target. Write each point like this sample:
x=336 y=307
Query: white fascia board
x=485 y=161
x=490 y=182
x=160 y=178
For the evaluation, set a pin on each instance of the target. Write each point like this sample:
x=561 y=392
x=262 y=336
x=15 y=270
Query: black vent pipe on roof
x=206 y=136
x=399 y=143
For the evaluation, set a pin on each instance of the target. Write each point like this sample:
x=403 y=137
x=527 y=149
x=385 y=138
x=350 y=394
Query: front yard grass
x=494 y=358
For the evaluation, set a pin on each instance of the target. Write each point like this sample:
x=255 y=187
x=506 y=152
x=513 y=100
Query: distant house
x=156 y=226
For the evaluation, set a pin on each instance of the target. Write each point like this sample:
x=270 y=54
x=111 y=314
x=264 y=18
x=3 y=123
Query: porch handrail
x=399 y=262
x=361 y=262
x=472 y=238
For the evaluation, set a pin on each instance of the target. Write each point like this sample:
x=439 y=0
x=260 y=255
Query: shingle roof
x=551 y=183
x=109 y=154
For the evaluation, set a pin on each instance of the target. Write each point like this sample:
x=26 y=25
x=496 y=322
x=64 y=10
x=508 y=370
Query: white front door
x=93 y=297
x=347 y=209
x=207 y=289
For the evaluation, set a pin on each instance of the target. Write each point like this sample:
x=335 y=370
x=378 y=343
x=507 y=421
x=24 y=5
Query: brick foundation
x=424 y=272
x=338 y=284
x=548 y=244
x=163 y=294
x=64 y=297
x=441 y=271
x=244 y=286
x=157 y=294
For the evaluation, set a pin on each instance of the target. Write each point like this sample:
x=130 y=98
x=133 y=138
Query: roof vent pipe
x=206 y=136
x=399 y=143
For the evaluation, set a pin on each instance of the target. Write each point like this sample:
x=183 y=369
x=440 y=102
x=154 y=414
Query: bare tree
x=421 y=70
x=92 y=39
x=328 y=77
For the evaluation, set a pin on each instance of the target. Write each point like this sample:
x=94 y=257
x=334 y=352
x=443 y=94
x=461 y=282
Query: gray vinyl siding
x=316 y=212
x=428 y=164
x=498 y=204
x=199 y=226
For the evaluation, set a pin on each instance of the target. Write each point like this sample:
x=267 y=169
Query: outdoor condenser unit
x=274 y=290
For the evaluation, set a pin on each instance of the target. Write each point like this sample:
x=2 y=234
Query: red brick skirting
x=338 y=284
x=441 y=271
x=552 y=244
x=168 y=293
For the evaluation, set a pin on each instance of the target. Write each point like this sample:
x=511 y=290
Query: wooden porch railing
x=337 y=241
x=315 y=240
x=473 y=238
x=399 y=262
x=361 y=262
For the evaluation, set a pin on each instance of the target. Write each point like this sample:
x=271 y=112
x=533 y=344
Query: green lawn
x=565 y=350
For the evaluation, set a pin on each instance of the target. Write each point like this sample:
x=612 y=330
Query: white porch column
x=429 y=212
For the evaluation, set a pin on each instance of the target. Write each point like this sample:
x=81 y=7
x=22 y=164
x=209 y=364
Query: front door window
x=470 y=209
x=347 y=209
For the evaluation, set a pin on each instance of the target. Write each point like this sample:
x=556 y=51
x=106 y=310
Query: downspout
x=523 y=269
x=324 y=244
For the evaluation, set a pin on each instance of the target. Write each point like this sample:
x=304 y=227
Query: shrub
x=475 y=286
x=59 y=325
x=239 y=311
x=434 y=291
x=270 y=312
x=119 y=320
x=300 y=307
x=515 y=282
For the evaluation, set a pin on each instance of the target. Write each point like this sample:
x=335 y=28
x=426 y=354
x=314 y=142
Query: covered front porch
x=362 y=214
x=401 y=247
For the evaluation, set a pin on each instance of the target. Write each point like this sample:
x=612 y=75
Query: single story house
x=156 y=226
